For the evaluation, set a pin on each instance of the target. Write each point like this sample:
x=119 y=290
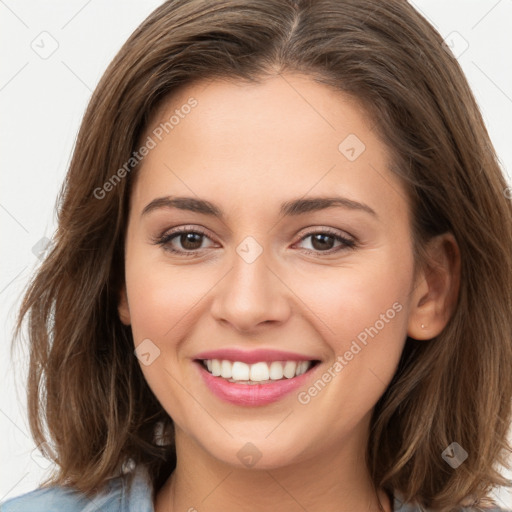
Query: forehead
x=291 y=104
x=286 y=136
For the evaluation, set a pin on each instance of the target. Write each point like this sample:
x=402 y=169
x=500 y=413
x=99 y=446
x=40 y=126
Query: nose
x=251 y=295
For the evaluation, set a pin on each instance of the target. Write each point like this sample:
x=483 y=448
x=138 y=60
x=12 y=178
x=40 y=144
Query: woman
x=282 y=272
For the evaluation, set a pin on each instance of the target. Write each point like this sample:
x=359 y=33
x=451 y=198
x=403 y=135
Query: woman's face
x=268 y=266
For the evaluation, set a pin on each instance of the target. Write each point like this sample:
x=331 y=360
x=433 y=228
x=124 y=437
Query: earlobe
x=436 y=289
x=123 y=308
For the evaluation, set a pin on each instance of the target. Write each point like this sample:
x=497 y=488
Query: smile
x=255 y=384
x=257 y=373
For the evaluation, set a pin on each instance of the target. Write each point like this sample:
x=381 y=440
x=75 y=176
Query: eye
x=189 y=239
x=322 y=241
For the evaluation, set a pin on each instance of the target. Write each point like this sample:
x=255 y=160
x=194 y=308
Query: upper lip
x=253 y=356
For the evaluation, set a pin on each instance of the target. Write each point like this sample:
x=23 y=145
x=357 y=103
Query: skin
x=248 y=148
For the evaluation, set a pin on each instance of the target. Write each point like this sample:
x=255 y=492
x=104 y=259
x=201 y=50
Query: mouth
x=255 y=377
x=258 y=373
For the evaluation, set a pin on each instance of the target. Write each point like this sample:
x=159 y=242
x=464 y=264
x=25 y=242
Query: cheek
x=160 y=300
x=361 y=313
x=352 y=298
x=161 y=303
x=362 y=317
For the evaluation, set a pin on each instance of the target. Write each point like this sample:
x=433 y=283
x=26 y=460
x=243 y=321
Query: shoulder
x=126 y=493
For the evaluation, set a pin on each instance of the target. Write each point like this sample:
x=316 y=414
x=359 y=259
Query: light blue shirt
x=131 y=492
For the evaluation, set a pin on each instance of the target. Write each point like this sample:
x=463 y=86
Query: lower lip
x=252 y=394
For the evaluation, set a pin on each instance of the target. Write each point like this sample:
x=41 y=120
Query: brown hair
x=85 y=386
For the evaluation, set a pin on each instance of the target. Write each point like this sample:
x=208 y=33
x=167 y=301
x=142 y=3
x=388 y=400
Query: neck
x=333 y=481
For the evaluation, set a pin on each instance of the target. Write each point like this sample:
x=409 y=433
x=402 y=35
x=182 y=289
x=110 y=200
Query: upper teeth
x=257 y=372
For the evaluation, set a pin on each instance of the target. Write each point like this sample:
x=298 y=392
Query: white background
x=42 y=101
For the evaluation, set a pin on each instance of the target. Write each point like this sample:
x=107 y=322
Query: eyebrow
x=289 y=208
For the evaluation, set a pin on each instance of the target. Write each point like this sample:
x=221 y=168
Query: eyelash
x=164 y=240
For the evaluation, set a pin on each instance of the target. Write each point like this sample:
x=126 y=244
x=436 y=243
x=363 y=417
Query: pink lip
x=253 y=356
x=252 y=394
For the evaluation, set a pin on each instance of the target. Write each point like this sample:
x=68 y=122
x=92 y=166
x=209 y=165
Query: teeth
x=276 y=370
x=259 y=372
x=215 y=367
x=236 y=371
x=225 y=370
x=289 y=369
x=240 y=370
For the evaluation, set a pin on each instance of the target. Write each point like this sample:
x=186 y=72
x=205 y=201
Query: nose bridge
x=251 y=293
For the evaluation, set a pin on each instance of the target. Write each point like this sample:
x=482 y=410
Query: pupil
x=321 y=238
x=187 y=239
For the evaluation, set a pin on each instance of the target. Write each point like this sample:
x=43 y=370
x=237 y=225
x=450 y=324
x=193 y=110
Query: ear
x=123 y=307
x=436 y=289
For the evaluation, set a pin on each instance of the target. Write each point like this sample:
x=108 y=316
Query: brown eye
x=184 y=241
x=324 y=242
x=190 y=241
